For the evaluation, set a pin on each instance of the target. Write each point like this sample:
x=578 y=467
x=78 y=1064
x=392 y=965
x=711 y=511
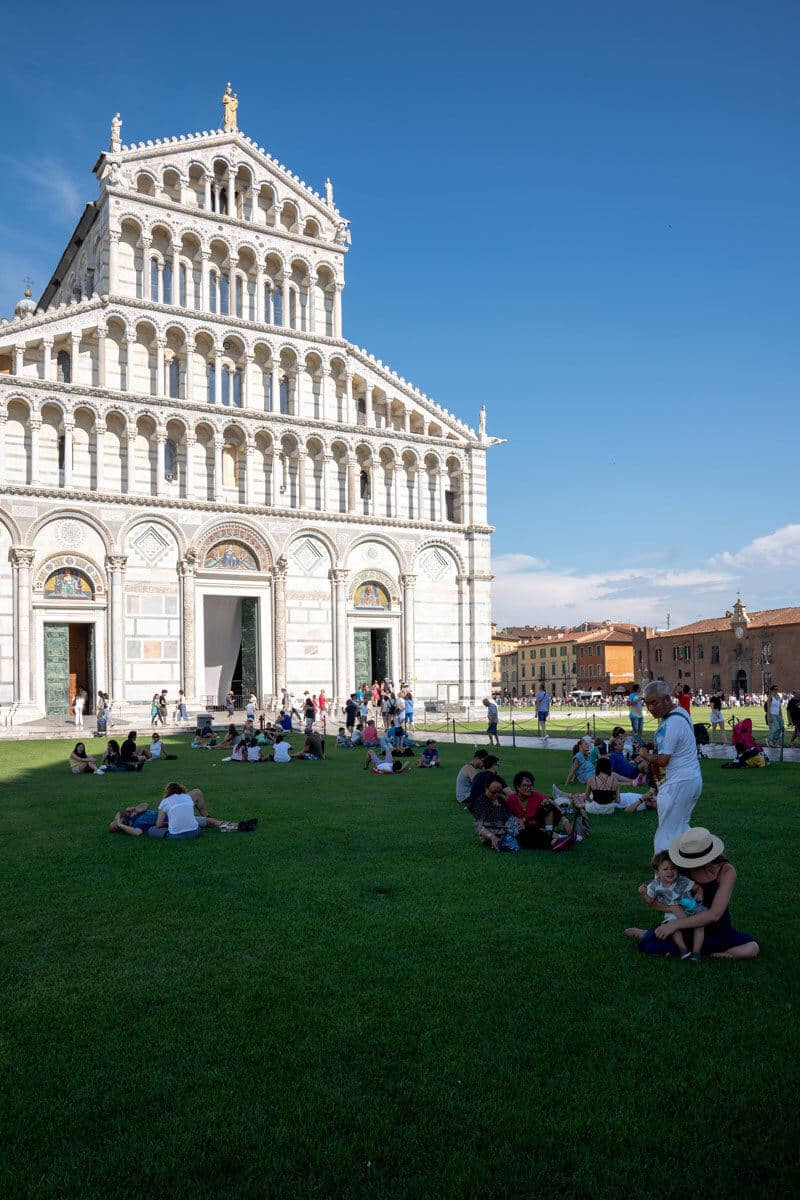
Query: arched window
x=230 y=467
x=166 y=283
x=174 y=379
x=154 y=280
x=284 y=395
x=224 y=295
x=170 y=460
x=236 y=389
x=183 y=286
x=411 y=484
x=63 y=367
x=211 y=383
x=226 y=386
x=293 y=309
x=364 y=485
x=213 y=291
x=239 y=296
x=277 y=307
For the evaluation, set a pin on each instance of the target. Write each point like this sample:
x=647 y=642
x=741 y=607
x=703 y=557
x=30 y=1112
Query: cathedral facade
x=203 y=484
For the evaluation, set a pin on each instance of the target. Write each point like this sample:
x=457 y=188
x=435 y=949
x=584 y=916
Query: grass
x=357 y=1001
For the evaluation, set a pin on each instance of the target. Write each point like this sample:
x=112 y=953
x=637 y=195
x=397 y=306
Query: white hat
x=695 y=848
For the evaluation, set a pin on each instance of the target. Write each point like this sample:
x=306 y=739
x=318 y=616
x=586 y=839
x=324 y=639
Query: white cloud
x=527 y=590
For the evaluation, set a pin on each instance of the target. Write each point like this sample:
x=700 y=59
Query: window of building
x=63 y=367
x=213 y=291
x=767 y=680
x=553 y=651
x=524 y=670
x=211 y=384
x=170 y=460
x=224 y=295
x=277 y=307
x=700 y=651
x=450 y=505
x=236 y=389
x=239 y=296
x=659 y=655
x=166 y=282
x=590 y=671
x=563 y=651
x=542 y=653
x=292 y=310
x=552 y=668
x=714 y=654
x=284 y=389
x=715 y=683
x=183 y=286
x=174 y=379
x=363 y=484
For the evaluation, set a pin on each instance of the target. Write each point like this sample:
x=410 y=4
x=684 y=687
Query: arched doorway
x=740 y=685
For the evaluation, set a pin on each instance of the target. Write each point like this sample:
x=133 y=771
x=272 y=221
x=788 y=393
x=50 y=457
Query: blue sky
x=582 y=215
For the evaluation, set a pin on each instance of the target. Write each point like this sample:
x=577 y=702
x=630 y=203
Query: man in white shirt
x=775 y=717
x=283 y=751
x=176 y=818
x=675 y=760
x=542 y=699
x=492 y=717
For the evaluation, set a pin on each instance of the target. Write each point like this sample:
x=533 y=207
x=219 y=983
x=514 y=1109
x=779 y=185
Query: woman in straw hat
x=698 y=853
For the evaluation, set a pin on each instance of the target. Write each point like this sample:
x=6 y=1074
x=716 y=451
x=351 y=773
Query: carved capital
x=280 y=569
x=116 y=562
x=338 y=574
x=408 y=581
x=21 y=556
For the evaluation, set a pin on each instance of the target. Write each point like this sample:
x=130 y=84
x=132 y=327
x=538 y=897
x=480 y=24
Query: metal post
x=514 y=734
x=454 y=730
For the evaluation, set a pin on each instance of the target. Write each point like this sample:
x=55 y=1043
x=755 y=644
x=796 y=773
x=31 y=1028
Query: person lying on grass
x=698 y=853
x=138 y=819
x=82 y=763
x=430 y=754
x=384 y=766
x=680 y=897
x=540 y=819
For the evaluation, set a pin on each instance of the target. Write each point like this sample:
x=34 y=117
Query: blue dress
x=719 y=936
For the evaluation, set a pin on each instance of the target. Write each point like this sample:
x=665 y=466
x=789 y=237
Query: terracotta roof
x=619 y=636
x=765 y=619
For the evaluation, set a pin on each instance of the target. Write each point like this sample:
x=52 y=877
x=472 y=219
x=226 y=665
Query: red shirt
x=685 y=701
x=527 y=809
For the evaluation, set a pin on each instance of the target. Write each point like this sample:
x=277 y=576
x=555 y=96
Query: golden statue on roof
x=230 y=107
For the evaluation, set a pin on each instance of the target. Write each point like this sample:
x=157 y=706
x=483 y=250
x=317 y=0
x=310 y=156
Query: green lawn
x=358 y=1001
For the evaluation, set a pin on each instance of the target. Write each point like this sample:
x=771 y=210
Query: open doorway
x=372 y=655
x=69 y=664
x=231 y=649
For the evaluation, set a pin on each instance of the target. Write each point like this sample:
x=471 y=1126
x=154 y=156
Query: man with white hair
x=675 y=763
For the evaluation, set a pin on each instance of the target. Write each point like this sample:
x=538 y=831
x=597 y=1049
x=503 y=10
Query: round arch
x=151 y=518
x=234 y=531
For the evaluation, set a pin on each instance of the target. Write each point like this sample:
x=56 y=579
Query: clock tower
x=739 y=619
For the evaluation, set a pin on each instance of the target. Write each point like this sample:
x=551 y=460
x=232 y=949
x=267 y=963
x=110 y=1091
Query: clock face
x=739 y=631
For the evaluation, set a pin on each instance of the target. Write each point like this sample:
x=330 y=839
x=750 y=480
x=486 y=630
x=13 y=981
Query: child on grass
x=668 y=887
x=430 y=754
x=342 y=740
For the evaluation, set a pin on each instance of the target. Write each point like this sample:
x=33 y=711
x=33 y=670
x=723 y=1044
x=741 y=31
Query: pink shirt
x=370 y=735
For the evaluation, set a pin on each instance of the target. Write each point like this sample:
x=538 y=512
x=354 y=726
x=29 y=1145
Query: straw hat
x=695 y=848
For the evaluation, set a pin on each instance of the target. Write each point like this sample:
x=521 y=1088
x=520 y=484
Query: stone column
x=218 y=445
x=3 y=423
x=396 y=490
x=423 y=495
x=74 y=357
x=19 y=352
x=176 y=276
x=249 y=476
x=348 y=413
x=302 y=460
x=352 y=481
x=217 y=377
x=325 y=481
x=310 y=320
x=275 y=387
x=408 y=583
x=99 y=454
x=207 y=192
x=337 y=310
x=232 y=287
x=205 y=297
x=338 y=577
x=279 y=593
x=440 y=495
x=231 y=186
x=131 y=463
x=187 y=574
x=161 y=443
x=113 y=260
x=161 y=390
x=284 y=282
x=47 y=359
x=259 y=294
x=21 y=562
x=36 y=428
x=248 y=361
x=190 y=442
x=69 y=428
x=101 y=356
x=369 y=415
x=323 y=407
x=464 y=667
x=115 y=564
x=145 y=269
x=126 y=376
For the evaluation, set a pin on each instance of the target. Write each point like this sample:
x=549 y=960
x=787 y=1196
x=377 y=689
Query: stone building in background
x=203 y=483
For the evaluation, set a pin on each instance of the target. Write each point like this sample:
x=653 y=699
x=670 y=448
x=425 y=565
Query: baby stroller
x=701 y=737
x=748 y=751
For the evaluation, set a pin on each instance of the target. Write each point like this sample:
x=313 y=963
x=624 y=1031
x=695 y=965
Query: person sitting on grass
x=282 y=752
x=342 y=740
x=370 y=734
x=678 y=896
x=466 y=775
x=430 y=754
x=478 y=789
x=384 y=766
x=112 y=759
x=699 y=853
x=82 y=763
x=138 y=819
x=495 y=824
x=204 y=739
x=158 y=749
x=357 y=736
x=540 y=819
x=230 y=737
x=582 y=768
x=312 y=748
x=253 y=751
x=131 y=753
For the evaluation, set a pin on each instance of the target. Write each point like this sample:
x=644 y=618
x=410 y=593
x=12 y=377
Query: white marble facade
x=194 y=461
